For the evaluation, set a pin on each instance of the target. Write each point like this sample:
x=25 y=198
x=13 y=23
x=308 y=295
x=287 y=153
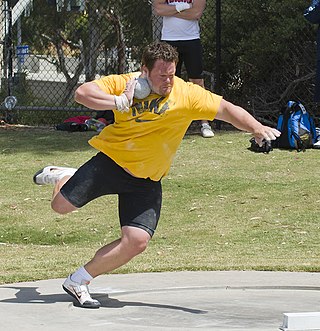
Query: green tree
x=102 y=28
x=268 y=51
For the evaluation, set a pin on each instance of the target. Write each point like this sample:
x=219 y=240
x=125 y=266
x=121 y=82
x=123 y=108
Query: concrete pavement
x=217 y=300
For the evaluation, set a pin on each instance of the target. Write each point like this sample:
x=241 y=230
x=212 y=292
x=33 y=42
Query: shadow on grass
x=42 y=141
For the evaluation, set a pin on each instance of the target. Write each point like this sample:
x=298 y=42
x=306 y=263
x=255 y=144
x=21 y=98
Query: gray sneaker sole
x=36 y=174
x=86 y=304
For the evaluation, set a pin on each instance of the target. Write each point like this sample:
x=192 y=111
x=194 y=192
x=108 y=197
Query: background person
x=134 y=154
x=180 y=28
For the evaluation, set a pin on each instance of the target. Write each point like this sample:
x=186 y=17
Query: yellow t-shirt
x=145 y=139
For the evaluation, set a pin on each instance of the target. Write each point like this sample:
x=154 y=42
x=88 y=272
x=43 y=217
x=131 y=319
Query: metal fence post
x=218 y=46
x=218 y=54
x=2 y=34
x=8 y=47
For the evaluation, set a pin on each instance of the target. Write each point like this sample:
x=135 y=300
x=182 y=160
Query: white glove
x=124 y=100
x=182 y=6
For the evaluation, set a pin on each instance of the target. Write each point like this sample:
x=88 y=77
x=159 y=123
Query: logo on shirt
x=149 y=107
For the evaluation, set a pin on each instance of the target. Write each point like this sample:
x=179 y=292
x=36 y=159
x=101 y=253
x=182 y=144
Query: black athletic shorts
x=139 y=199
x=190 y=53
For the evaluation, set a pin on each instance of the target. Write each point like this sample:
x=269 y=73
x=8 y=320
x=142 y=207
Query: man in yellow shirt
x=135 y=153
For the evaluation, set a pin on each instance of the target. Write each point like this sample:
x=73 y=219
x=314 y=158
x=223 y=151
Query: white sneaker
x=317 y=145
x=206 y=131
x=52 y=174
x=81 y=293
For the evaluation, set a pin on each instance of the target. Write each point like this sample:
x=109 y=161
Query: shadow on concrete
x=30 y=295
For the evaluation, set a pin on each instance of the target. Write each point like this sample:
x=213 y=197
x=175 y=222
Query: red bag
x=77 y=119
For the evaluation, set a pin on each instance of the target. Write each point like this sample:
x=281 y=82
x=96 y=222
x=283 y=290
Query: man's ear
x=144 y=71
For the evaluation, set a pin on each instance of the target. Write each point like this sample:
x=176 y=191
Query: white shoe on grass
x=52 y=174
x=317 y=145
x=206 y=131
x=81 y=293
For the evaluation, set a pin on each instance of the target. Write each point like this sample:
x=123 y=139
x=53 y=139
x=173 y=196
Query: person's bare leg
x=59 y=203
x=206 y=129
x=199 y=81
x=133 y=241
x=57 y=176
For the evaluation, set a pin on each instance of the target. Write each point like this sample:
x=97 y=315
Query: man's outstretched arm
x=242 y=120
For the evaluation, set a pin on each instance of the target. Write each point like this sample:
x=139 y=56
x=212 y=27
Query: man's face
x=161 y=77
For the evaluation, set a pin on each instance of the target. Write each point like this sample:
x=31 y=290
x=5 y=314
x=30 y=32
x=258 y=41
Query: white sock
x=81 y=276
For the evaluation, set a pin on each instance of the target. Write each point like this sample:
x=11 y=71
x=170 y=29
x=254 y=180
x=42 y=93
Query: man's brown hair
x=159 y=51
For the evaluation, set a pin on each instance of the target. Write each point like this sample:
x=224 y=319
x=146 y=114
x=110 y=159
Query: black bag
x=265 y=148
x=72 y=127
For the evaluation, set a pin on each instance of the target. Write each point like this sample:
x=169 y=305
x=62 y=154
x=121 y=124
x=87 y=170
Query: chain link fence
x=258 y=54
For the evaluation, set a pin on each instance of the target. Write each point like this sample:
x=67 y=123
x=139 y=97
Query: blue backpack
x=312 y=13
x=297 y=127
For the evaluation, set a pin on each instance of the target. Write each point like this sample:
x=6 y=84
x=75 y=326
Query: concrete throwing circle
x=231 y=308
x=163 y=301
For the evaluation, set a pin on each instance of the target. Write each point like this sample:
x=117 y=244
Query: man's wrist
x=122 y=103
x=181 y=6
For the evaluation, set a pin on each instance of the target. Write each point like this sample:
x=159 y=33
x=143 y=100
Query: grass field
x=224 y=207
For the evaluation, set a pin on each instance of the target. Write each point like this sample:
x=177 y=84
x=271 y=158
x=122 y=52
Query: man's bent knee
x=135 y=238
x=61 y=205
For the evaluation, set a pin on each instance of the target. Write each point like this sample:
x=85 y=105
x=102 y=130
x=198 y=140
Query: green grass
x=224 y=208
